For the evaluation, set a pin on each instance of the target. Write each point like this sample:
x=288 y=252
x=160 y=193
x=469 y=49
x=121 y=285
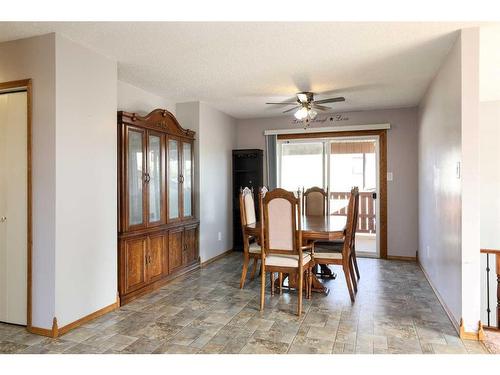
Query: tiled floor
x=205 y=312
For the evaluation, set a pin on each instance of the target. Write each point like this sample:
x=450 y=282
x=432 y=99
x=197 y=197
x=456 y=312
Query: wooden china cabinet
x=157 y=226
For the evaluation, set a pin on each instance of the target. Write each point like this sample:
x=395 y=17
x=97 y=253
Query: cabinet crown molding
x=157 y=119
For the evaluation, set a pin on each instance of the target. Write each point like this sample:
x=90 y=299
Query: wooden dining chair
x=331 y=256
x=315 y=201
x=337 y=245
x=282 y=250
x=251 y=249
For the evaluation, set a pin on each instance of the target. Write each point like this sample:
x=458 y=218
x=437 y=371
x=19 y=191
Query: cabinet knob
x=3 y=219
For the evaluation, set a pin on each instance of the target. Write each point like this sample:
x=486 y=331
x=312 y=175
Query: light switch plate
x=389 y=176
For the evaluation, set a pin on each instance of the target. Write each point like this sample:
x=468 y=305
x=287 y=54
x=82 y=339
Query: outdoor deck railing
x=491 y=265
x=367 y=221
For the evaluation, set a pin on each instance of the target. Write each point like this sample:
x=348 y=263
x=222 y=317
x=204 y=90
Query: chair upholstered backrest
x=351 y=223
x=247 y=207
x=315 y=201
x=280 y=215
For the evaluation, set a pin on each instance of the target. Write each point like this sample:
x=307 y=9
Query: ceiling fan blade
x=291 y=109
x=284 y=103
x=321 y=107
x=330 y=100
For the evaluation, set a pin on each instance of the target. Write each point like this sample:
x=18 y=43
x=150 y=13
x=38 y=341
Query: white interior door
x=13 y=207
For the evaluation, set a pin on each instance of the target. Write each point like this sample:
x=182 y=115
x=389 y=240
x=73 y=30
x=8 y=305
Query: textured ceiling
x=237 y=67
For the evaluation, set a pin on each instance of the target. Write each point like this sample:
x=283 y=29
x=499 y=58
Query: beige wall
x=402 y=162
x=449 y=210
x=35 y=58
x=489 y=120
x=74 y=154
x=86 y=178
x=135 y=99
x=439 y=187
x=215 y=138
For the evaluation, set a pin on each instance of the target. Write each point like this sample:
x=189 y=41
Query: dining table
x=314 y=228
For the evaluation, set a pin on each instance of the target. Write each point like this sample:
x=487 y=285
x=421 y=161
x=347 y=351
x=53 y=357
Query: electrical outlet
x=219 y=236
x=389 y=176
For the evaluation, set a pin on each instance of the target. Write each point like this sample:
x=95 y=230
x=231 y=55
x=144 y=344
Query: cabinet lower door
x=134 y=262
x=175 y=249
x=156 y=254
x=190 y=253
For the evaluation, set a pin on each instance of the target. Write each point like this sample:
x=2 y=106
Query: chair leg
x=353 y=276
x=301 y=280
x=244 y=271
x=347 y=275
x=254 y=268
x=310 y=282
x=262 y=287
x=355 y=261
x=271 y=276
x=280 y=280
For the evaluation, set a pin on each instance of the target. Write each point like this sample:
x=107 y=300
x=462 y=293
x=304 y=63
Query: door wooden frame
x=14 y=85
x=382 y=135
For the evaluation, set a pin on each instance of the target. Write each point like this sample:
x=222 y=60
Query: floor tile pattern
x=395 y=311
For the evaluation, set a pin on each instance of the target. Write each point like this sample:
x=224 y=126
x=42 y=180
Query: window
x=299 y=163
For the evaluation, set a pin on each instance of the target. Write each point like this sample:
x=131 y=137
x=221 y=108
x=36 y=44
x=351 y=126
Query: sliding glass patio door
x=337 y=164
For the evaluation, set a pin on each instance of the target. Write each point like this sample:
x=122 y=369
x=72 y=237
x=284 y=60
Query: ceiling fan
x=305 y=106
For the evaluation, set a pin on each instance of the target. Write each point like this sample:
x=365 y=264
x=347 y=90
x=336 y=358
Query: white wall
x=86 y=199
x=215 y=139
x=35 y=58
x=135 y=99
x=402 y=205
x=448 y=203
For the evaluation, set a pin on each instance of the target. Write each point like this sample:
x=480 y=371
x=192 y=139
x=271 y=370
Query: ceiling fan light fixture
x=312 y=114
x=301 y=114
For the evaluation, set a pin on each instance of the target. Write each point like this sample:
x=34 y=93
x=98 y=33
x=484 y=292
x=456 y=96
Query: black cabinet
x=248 y=171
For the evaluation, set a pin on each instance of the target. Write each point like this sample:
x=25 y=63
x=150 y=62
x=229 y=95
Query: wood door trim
x=29 y=93
x=382 y=134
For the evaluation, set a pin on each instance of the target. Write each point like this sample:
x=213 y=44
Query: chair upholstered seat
x=328 y=255
x=328 y=247
x=254 y=248
x=279 y=260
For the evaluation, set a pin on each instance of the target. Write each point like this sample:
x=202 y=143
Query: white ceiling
x=237 y=67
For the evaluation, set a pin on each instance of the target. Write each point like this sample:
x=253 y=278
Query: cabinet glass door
x=173 y=179
x=154 y=178
x=187 y=171
x=135 y=177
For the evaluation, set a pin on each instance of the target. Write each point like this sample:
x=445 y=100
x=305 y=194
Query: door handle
x=3 y=219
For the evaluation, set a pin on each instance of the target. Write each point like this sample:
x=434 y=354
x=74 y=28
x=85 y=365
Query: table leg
x=317 y=286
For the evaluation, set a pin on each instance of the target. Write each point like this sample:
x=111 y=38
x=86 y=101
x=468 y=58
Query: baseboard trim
x=56 y=331
x=215 y=258
x=476 y=336
x=397 y=257
x=440 y=299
